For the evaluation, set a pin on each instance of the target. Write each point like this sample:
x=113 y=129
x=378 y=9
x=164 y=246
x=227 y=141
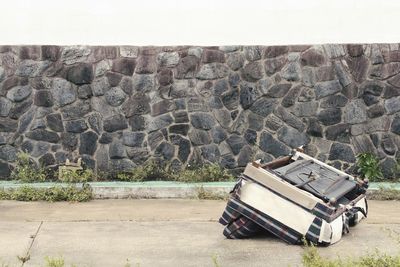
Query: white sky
x=198 y=22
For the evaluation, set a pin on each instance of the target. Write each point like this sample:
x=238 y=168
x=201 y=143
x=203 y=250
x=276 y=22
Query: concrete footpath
x=164 y=232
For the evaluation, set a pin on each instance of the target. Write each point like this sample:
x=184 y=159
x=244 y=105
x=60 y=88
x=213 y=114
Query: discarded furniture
x=295 y=197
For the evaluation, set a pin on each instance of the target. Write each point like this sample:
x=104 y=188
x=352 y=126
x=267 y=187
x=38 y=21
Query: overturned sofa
x=295 y=197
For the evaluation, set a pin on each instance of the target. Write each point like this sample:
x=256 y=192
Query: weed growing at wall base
x=203 y=193
x=205 y=173
x=151 y=172
x=26 y=171
x=51 y=194
x=83 y=176
x=368 y=166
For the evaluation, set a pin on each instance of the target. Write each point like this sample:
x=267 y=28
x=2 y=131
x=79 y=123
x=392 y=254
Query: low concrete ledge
x=384 y=185
x=153 y=189
x=158 y=189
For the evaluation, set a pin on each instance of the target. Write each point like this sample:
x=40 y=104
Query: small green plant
x=50 y=194
x=312 y=258
x=205 y=173
x=70 y=176
x=396 y=169
x=25 y=170
x=209 y=195
x=54 y=262
x=368 y=166
x=150 y=171
x=214 y=259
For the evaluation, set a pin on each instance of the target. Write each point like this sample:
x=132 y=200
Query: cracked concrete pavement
x=163 y=233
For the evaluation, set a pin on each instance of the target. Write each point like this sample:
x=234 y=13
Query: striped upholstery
x=259 y=221
x=314 y=230
x=323 y=212
x=241 y=227
x=229 y=216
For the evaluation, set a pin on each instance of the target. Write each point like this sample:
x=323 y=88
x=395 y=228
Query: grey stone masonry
x=120 y=106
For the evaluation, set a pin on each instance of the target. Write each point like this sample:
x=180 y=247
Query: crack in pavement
x=27 y=255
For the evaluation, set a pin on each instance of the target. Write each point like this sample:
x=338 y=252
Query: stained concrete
x=164 y=233
x=15 y=239
x=113 y=210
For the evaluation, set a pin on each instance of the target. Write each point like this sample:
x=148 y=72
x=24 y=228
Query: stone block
x=330 y=116
x=51 y=52
x=117 y=150
x=263 y=106
x=199 y=137
x=5 y=106
x=8 y=153
x=168 y=59
x=212 y=71
x=272 y=146
x=115 y=123
x=253 y=53
x=312 y=57
x=125 y=66
x=211 y=55
x=289 y=118
x=85 y=91
x=355 y=112
x=248 y=95
x=292 y=137
x=115 y=96
x=43 y=135
x=392 y=105
x=88 y=143
x=252 y=71
x=76 y=126
x=236 y=142
x=235 y=61
x=80 y=74
x=210 y=153
x=146 y=65
x=275 y=51
x=341 y=152
x=187 y=68
x=324 y=89
x=43 y=98
x=74 y=54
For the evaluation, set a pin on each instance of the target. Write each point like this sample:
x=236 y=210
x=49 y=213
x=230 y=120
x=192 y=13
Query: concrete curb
x=158 y=189
x=123 y=190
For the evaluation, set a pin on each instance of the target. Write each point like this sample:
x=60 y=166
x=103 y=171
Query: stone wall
x=117 y=107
